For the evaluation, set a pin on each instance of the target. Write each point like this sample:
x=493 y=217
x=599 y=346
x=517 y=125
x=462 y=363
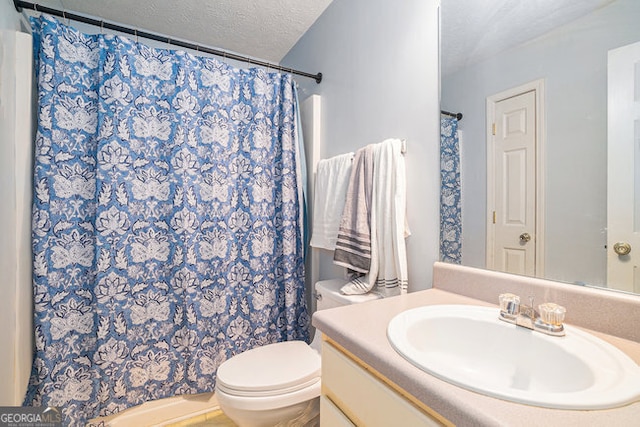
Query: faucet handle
x=509 y=303
x=551 y=313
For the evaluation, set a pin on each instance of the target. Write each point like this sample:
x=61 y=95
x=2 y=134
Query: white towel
x=388 y=270
x=332 y=178
x=390 y=204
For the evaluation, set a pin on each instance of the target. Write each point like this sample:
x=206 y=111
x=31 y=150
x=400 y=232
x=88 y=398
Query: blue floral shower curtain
x=166 y=220
x=450 y=207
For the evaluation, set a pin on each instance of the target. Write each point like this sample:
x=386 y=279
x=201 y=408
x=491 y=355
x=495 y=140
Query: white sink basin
x=469 y=347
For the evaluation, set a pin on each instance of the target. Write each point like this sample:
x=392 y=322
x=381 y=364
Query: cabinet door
x=331 y=415
x=363 y=398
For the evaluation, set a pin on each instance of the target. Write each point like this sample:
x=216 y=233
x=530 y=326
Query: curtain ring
x=101 y=27
x=35 y=7
x=135 y=32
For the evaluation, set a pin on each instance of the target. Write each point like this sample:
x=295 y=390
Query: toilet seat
x=272 y=376
x=271 y=370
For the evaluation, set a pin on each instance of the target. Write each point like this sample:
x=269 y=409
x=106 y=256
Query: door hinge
x=494 y=217
x=493 y=129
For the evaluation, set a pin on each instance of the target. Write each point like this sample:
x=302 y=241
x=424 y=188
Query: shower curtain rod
x=19 y=5
x=456 y=115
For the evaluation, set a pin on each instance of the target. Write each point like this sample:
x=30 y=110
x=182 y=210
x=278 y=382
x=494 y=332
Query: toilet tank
x=328 y=294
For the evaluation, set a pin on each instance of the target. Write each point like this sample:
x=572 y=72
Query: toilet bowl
x=279 y=384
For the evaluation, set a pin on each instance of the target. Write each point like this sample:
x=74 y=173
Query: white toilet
x=279 y=384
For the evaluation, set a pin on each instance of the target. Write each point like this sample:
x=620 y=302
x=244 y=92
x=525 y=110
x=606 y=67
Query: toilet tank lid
x=273 y=367
x=331 y=289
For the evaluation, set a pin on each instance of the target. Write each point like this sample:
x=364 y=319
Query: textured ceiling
x=473 y=30
x=264 y=29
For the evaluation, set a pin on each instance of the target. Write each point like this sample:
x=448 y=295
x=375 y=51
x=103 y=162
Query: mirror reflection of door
x=623 y=180
x=512 y=162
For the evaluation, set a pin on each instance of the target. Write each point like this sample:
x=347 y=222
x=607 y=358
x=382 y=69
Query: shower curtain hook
x=101 y=27
x=135 y=31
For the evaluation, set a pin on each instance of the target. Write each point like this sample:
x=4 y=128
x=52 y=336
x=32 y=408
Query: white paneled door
x=623 y=180
x=512 y=221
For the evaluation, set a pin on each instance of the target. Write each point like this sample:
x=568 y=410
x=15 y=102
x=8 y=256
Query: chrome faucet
x=548 y=320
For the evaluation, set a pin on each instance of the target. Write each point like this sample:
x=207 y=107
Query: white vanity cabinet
x=354 y=395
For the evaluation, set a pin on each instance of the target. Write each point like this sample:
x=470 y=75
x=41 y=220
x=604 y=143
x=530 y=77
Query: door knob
x=525 y=237
x=622 y=248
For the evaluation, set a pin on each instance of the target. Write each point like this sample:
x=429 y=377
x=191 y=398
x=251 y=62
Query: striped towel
x=353 y=247
x=389 y=219
x=386 y=202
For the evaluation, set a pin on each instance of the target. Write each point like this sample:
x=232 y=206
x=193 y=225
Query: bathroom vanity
x=351 y=390
x=366 y=382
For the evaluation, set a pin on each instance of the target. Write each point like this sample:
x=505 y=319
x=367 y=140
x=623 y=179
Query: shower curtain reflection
x=450 y=190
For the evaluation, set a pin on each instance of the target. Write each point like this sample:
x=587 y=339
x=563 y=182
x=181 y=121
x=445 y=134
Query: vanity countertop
x=361 y=330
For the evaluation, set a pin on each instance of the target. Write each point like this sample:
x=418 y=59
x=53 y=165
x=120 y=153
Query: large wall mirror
x=491 y=50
